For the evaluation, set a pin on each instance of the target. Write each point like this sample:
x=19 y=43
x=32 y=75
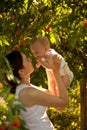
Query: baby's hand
x=38 y=64
x=45 y=63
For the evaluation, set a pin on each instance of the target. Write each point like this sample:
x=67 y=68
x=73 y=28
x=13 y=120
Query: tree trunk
x=83 y=92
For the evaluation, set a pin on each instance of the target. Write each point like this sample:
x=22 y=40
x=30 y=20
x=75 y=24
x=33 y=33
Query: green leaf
x=5 y=42
x=0 y=43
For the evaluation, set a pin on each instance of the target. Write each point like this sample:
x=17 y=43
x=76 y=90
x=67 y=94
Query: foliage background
x=64 y=22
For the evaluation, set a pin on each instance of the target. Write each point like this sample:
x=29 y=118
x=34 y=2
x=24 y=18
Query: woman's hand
x=56 y=63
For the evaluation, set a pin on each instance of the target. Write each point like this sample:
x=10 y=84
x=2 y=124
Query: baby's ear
x=46 y=48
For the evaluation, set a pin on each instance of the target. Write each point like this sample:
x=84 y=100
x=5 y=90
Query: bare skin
x=32 y=96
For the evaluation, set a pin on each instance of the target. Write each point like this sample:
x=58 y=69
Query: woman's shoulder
x=20 y=87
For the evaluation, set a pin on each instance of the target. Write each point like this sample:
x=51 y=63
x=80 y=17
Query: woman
x=35 y=99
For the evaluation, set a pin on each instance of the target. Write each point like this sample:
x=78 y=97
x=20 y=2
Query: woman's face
x=27 y=63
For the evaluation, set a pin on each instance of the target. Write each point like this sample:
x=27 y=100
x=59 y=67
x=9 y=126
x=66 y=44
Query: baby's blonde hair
x=43 y=40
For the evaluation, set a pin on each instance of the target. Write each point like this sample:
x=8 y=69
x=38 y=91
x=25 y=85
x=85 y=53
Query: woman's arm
x=58 y=82
x=52 y=86
x=32 y=96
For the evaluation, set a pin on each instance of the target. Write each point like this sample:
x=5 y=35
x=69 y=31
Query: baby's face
x=38 y=50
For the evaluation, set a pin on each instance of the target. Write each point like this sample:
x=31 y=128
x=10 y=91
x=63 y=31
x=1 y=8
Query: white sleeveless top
x=35 y=117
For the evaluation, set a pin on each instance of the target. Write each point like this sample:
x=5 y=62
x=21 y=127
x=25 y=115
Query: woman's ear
x=20 y=72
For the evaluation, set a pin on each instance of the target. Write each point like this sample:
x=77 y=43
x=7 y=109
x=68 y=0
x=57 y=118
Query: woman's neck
x=25 y=81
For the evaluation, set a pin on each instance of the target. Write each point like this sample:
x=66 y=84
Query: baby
x=40 y=47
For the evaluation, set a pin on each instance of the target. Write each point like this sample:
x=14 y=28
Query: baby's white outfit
x=64 y=68
x=35 y=117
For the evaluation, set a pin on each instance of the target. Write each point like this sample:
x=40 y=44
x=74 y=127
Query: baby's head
x=40 y=46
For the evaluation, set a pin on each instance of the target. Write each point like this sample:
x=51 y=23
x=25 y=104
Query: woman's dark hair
x=16 y=63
